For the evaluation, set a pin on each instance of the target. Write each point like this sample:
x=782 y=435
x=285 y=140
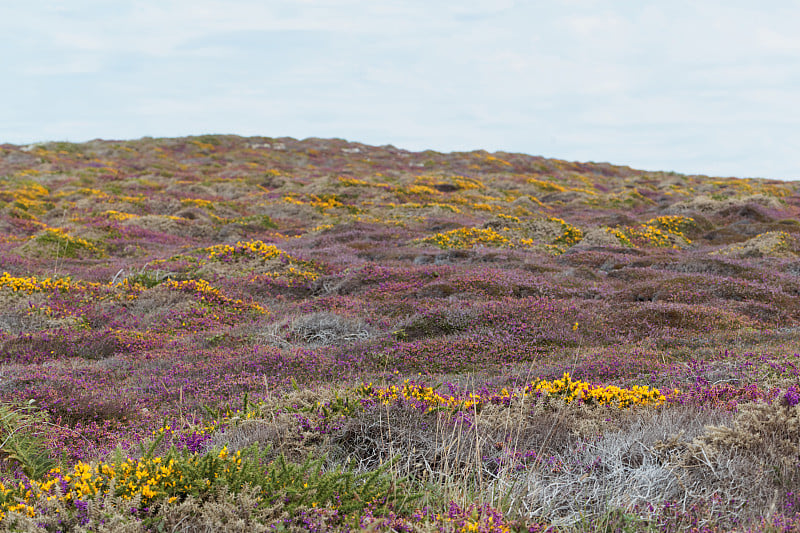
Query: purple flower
x=792 y=396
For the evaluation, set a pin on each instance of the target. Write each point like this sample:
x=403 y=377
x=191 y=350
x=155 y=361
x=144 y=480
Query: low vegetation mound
x=219 y=333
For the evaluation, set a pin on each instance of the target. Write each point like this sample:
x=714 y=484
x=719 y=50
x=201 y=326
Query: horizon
x=444 y=152
x=701 y=89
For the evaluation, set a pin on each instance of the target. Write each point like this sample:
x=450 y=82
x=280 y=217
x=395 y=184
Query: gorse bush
x=467 y=238
x=66 y=245
x=153 y=481
x=565 y=389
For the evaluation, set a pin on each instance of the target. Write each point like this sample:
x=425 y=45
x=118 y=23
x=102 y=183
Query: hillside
x=521 y=342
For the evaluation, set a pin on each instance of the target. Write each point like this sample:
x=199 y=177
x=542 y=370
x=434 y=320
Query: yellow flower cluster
x=419 y=393
x=260 y=249
x=31 y=191
x=149 y=478
x=750 y=187
x=652 y=236
x=61 y=237
x=199 y=202
x=674 y=224
x=33 y=284
x=475 y=523
x=118 y=216
x=483 y=206
x=493 y=159
x=662 y=231
x=208 y=147
x=9 y=503
x=546 y=185
x=97 y=193
x=564 y=388
x=431 y=183
x=569 y=234
x=298 y=269
x=465 y=183
x=448 y=207
x=587 y=393
x=353 y=182
x=510 y=218
x=26 y=200
x=212 y=296
x=321 y=227
x=323 y=203
x=466 y=238
x=26 y=205
x=141 y=199
x=421 y=189
x=783 y=241
x=28 y=172
x=623 y=239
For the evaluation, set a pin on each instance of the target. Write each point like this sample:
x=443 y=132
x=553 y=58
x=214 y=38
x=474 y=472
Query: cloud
x=679 y=83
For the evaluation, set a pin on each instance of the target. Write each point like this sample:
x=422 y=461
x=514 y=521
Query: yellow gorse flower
x=298 y=269
x=30 y=285
x=149 y=478
x=467 y=238
x=211 y=295
x=565 y=388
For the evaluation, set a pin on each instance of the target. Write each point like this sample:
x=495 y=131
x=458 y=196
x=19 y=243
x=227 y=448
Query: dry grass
x=322 y=328
x=636 y=469
x=768 y=433
x=570 y=467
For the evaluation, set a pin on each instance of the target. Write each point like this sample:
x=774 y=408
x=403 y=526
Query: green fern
x=308 y=485
x=22 y=443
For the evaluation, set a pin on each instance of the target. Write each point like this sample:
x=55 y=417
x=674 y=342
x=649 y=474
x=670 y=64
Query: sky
x=698 y=87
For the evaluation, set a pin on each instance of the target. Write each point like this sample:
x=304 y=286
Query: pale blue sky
x=710 y=87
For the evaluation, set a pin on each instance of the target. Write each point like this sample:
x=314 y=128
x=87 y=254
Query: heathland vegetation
x=220 y=333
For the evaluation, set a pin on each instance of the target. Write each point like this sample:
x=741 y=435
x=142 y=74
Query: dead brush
x=769 y=434
x=441 y=452
x=321 y=328
x=635 y=469
x=456 y=455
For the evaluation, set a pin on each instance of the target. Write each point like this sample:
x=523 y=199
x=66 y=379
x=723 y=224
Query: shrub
x=321 y=328
x=50 y=345
x=435 y=323
x=22 y=432
x=283 y=487
x=768 y=431
x=640 y=470
x=149 y=278
x=66 y=245
x=467 y=238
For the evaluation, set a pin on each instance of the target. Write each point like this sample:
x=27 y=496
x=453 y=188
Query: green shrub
x=22 y=442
